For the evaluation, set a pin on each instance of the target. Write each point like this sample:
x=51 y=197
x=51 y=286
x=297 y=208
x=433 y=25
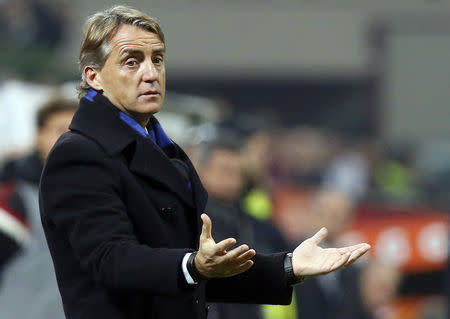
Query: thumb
x=206 y=228
x=319 y=236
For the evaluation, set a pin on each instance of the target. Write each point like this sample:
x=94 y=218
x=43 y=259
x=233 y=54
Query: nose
x=150 y=72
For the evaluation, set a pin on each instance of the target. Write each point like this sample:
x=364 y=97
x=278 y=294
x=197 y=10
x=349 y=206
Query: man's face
x=56 y=124
x=222 y=175
x=333 y=210
x=134 y=76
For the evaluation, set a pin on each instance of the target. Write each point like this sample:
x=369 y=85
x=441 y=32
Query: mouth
x=150 y=93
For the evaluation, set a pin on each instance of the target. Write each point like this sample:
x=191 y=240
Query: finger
x=232 y=254
x=358 y=253
x=249 y=254
x=223 y=245
x=343 y=259
x=350 y=249
x=319 y=236
x=206 y=228
x=244 y=267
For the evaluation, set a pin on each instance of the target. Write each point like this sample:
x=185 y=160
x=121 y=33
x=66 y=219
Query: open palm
x=310 y=259
x=217 y=259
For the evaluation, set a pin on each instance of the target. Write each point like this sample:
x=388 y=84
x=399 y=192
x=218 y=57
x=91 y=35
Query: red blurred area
x=415 y=239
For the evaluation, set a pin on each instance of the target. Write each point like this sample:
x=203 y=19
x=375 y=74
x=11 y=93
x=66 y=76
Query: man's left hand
x=310 y=259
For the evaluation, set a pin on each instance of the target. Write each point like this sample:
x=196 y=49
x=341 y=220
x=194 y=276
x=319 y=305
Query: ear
x=39 y=134
x=40 y=137
x=93 y=78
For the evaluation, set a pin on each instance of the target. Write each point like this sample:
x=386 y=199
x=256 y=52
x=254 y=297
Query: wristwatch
x=193 y=271
x=291 y=278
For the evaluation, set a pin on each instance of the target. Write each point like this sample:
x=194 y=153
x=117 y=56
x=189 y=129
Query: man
x=378 y=289
x=121 y=204
x=220 y=169
x=19 y=175
x=327 y=297
x=28 y=276
x=256 y=157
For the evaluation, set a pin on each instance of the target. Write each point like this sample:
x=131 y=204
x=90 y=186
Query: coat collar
x=100 y=120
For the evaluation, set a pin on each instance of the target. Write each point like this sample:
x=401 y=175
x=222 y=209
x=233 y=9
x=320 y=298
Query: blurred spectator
x=220 y=169
x=326 y=297
x=256 y=157
x=302 y=154
x=52 y=120
x=394 y=175
x=24 y=172
x=333 y=209
x=28 y=277
x=378 y=286
x=14 y=231
x=432 y=165
x=349 y=173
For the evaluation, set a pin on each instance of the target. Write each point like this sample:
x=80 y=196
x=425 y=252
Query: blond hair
x=98 y=30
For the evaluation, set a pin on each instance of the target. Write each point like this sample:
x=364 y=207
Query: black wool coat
x=119 y=217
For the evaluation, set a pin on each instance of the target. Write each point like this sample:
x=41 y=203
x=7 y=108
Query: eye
x=157 y=60
x=131 y=62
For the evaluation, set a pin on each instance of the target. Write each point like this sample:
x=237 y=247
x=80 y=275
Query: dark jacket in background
x=27 y=168
x=331 y=296
x=12 y=209
x=230 y=221
x=13 y=175
x=27 y=276
x=119 y=217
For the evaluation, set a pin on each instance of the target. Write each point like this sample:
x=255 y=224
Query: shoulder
x=76 y=156
x=9 y=171
x=78 y=164
x=73 y=148
x=74 y=143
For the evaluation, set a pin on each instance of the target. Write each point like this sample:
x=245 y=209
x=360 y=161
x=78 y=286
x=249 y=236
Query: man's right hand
x=213 y=260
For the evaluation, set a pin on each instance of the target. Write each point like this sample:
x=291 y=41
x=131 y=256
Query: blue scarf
x=156 y=133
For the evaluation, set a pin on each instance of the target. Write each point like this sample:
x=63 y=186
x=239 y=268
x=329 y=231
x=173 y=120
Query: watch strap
x=291 y=278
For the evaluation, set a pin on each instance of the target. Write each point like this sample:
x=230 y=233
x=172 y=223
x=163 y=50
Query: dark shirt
x=230 y=221
x=26 y=169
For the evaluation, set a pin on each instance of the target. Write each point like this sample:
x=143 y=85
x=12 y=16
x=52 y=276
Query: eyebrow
x=137 y=51
x=159 y=50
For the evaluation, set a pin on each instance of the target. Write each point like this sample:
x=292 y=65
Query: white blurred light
x=433 y=242
x=393 y=247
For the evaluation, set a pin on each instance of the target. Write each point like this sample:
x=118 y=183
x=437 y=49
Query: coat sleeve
x=81 y=198
x=264 y=283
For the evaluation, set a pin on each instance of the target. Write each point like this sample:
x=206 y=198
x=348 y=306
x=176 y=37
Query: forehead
x=58 y=118
x=131 y=36
x=227 y=156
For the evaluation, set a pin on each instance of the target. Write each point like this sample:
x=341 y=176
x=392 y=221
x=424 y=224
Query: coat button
x=167 y=213
x=167 y=210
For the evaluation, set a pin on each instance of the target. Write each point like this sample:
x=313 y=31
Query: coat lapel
x=200 y=194
x=151 y=162
x=99 y=119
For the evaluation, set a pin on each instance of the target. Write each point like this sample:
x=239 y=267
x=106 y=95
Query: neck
x=141 y=119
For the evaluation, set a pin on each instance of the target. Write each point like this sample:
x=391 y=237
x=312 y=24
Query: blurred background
x=297 y=114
